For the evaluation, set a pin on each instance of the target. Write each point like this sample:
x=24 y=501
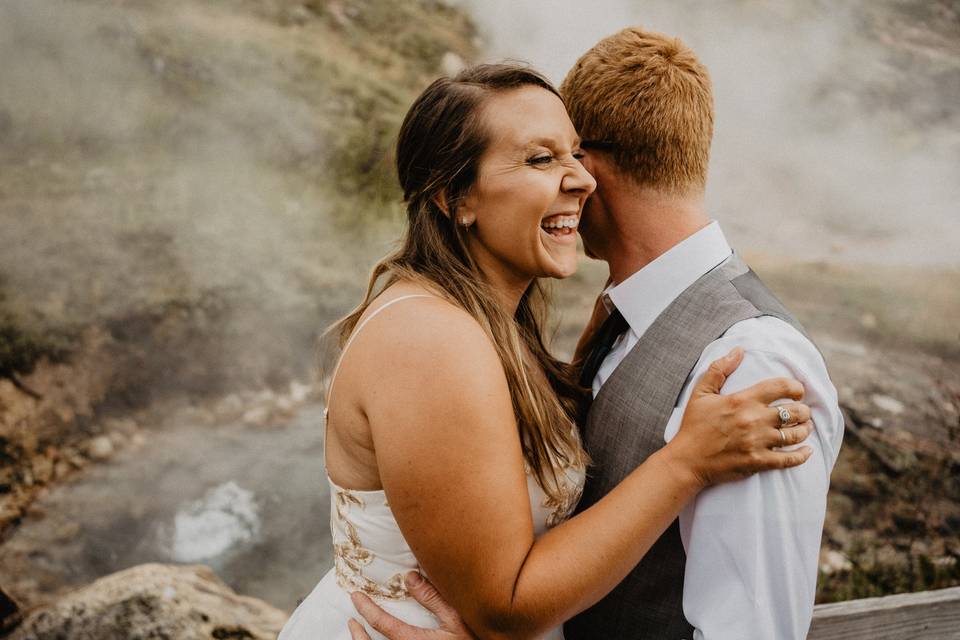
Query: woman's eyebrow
x=549 y=142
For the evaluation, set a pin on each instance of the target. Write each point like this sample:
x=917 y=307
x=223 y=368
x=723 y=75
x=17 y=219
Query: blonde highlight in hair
x=649 y=95
x=438 y=151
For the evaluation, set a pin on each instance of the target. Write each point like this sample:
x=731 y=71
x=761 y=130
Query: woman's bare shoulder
x=428 y=330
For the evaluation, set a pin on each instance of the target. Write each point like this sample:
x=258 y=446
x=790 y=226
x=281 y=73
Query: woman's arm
x=449 y=457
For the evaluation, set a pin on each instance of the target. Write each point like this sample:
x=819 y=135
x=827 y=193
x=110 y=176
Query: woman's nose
x=579 y=180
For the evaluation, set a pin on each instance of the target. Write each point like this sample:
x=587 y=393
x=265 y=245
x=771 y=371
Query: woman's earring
x=465 y=222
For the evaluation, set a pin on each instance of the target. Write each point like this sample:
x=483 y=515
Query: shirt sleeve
x=753 y=545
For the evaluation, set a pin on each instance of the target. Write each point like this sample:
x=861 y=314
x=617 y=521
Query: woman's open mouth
x=560 y=225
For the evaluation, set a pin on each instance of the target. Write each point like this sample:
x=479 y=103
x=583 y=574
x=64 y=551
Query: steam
x=155 y=151
x=159 y=130
x=837 y=134
x=160 y=151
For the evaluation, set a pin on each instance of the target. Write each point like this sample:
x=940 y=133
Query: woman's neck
x=508 y=287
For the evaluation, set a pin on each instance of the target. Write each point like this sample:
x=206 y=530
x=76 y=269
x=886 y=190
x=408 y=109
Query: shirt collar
x=645 y=294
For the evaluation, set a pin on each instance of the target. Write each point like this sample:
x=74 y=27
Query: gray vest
x=625 y=425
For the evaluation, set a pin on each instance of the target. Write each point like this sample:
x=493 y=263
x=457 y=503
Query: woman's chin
x=560 y=255
x=561 y=268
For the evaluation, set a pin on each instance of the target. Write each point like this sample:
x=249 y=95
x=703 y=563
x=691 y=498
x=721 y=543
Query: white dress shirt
x=752 y=545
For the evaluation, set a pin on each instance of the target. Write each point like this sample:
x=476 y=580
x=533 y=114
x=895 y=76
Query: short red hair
x=649 y=95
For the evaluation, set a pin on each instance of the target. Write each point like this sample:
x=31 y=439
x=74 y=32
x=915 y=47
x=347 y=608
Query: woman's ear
x=465 y=216
x=440 y=199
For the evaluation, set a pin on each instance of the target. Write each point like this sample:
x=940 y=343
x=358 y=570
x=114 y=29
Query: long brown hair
x=438 y=151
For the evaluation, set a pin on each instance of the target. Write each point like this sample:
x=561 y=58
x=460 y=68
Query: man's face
x=595 y=225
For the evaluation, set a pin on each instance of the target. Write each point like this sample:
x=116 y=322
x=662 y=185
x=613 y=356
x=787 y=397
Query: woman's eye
x=541 y=160
x=578 y=155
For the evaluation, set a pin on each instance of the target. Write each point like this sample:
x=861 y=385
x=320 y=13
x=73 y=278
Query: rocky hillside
x=190 y=192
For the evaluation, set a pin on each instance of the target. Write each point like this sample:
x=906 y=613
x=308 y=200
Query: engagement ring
x=784 y=416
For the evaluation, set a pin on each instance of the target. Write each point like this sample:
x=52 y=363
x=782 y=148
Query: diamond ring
x=784 y=416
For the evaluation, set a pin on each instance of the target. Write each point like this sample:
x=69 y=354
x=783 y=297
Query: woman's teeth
x=560 y=225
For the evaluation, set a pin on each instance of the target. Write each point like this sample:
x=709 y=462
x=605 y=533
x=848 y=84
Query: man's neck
x=650 y=223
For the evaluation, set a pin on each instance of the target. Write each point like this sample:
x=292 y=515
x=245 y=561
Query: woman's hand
x=729 y=437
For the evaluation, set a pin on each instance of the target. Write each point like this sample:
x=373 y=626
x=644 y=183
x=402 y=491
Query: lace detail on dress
x=350 y=556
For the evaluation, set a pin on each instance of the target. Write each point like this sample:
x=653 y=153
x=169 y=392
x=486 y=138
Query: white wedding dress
x=371 y=555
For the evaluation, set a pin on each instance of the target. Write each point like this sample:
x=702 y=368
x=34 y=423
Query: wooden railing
x=927 y=615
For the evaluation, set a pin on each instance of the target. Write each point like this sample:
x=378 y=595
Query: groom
x=741 y=560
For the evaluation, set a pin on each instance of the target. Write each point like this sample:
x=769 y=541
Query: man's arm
x=752 y=545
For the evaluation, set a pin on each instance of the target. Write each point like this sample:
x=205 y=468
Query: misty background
x=192 y=191
x=837 y=132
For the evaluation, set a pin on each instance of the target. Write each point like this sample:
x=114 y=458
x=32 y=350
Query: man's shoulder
x=772 y=334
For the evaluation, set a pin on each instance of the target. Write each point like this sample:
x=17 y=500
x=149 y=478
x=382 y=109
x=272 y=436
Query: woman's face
x=525 y=206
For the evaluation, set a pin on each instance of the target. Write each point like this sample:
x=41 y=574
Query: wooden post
x=927 y=615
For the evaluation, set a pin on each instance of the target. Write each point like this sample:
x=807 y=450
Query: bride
x=451 y=442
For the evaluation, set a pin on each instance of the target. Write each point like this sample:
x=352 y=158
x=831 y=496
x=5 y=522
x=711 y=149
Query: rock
x=919 y=548
x=889 y=556
x=299 y=391
x=257 y=416
x=834 y=562
x=10 y=611
x=137 y=440
x=888 y=404
x=126 y=426
x=846 y=394
x=264 y=396
x=229 y=407
x=72 y=456
x=42 y=468
x=61 y=470
x=67 y=531
x=153 y=601
x=118 y=439
x=100 y=448
x=193 y=416
x=298 y=15
x=285 y=406
x=452 y=64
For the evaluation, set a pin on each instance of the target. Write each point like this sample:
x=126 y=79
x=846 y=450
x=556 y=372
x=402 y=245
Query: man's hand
x=451 y=626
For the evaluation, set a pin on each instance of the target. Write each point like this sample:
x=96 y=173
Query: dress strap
x=357 y=330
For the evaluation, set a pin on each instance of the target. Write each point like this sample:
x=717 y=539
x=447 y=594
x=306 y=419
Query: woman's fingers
x=788 y=436
x=769 y=391
x=787 y=459
x=798 y=411
x=717 y=373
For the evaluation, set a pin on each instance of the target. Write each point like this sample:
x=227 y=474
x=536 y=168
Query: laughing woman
x=451 y=444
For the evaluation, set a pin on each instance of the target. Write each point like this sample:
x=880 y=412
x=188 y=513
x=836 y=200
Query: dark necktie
x=608 y=333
